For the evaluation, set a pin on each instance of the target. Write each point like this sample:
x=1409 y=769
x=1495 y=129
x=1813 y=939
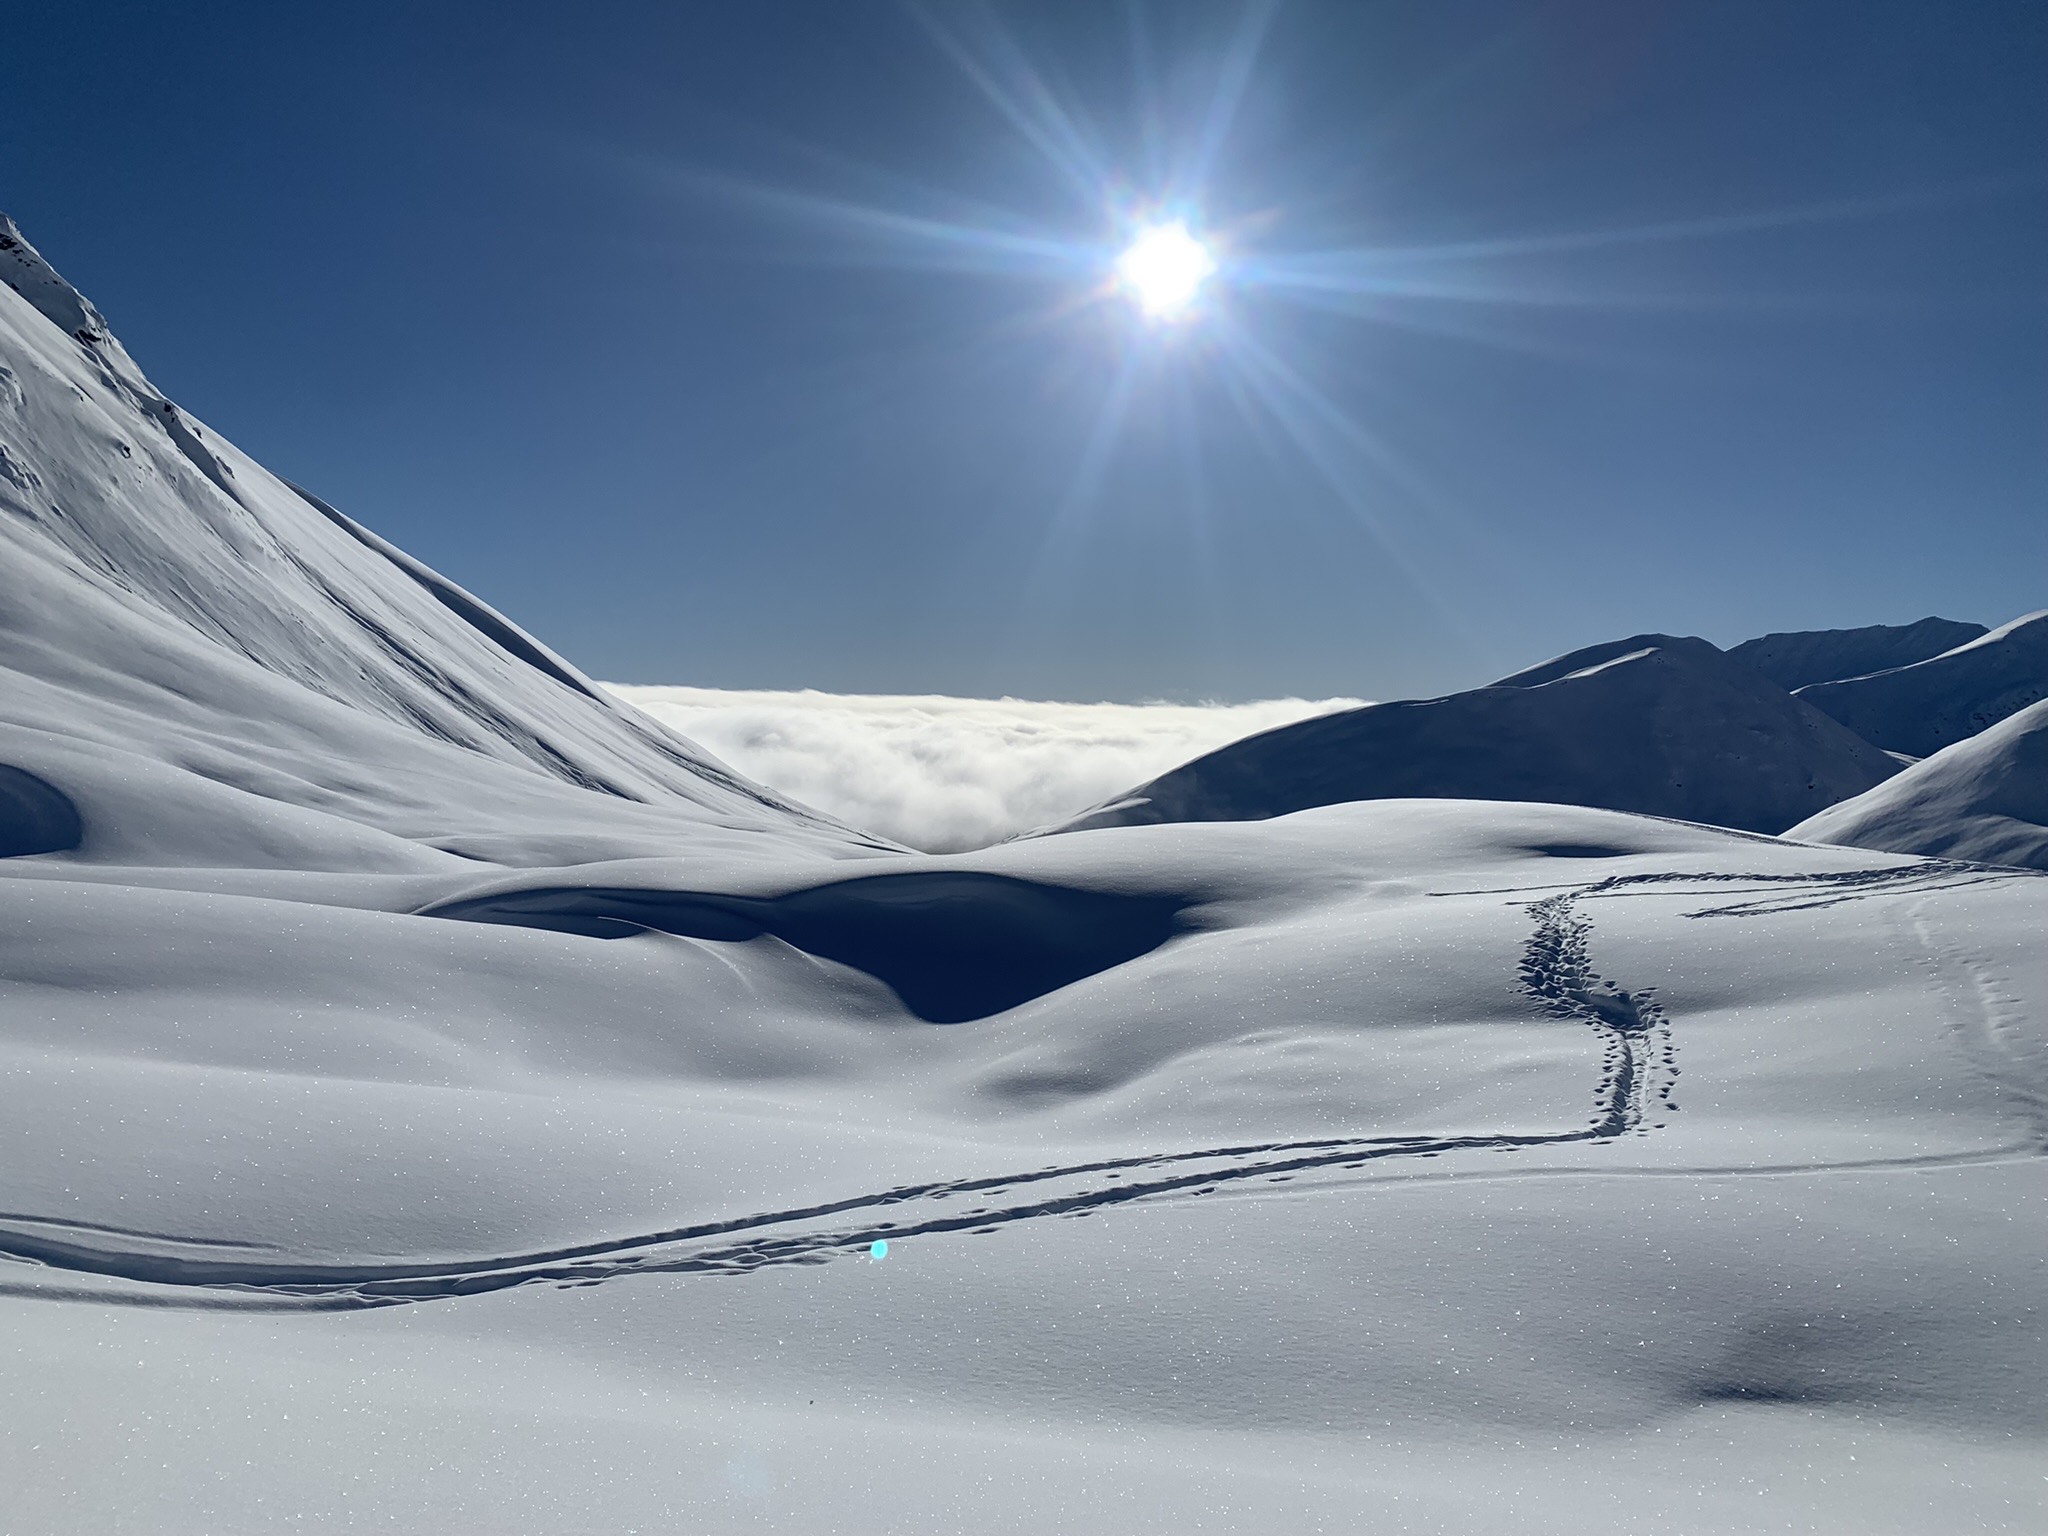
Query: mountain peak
x=29 y=273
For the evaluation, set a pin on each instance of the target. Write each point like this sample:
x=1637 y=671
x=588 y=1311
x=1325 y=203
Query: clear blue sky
x=568 y=300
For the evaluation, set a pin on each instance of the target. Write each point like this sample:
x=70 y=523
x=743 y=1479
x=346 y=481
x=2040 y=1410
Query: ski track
x=1985 y=1023
x=1636 y=1089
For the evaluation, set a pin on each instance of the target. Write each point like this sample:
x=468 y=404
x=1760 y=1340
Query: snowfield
x=438 y=1098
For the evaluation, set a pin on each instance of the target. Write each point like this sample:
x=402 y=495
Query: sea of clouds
x=945 y=774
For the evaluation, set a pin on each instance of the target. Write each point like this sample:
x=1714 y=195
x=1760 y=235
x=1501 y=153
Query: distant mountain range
x=1671 y=726
x=1920 y=708
x=1657 y=724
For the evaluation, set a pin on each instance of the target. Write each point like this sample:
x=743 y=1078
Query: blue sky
x=676 y=330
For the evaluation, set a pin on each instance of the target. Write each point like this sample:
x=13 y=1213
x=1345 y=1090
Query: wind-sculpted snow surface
x=953 y=945
x=35 y=817
x=1702 y=1123
x=432 y=1099
x=1655 y=724
x=1636 y=1078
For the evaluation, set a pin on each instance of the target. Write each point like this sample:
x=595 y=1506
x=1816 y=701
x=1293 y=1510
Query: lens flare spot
x=1164 y=269
x=878 y=1249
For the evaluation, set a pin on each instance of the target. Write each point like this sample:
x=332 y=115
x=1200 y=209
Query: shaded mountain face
x=207 y=664
x=1655 y=724
x=1984 y=799
x=1932 y=704
x=1798 y=657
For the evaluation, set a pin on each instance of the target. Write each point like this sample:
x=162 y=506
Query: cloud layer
x=945 y=774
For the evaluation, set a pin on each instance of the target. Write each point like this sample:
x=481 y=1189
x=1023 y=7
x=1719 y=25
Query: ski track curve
x=1635 y=1090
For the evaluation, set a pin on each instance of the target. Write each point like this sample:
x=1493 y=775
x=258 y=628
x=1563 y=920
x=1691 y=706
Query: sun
x=1164 y=269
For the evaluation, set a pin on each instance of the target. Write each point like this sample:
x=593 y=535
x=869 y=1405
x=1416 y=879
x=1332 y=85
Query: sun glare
x=1164 y=268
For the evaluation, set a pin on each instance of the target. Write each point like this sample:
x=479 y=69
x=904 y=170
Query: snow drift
x=1652 y=724
x=1920 y=709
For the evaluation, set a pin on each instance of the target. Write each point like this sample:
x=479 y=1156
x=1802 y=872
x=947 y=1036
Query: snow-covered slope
x=1985 y=798
x=1798 y=657
x=206 y=659
x=1408 y=1166
x=1417 y=1166
x=1655 y=724
x=1920 y=709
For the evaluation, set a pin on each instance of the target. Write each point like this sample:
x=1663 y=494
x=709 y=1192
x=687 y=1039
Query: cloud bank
x=945 y=774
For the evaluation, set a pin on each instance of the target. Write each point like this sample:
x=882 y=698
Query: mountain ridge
x=1922 y=707
x=1794 y=658
x=1654 y=724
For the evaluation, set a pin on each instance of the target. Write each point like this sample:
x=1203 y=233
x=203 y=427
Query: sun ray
x=1185 y=307
x=1718 y=226
x=1017 y=90
x=1319 y=431
x=1233 y=78
x=903 y=238
x=1084 y=486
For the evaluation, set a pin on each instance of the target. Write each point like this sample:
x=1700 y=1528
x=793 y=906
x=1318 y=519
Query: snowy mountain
x=1652 y=724
x=1920 y=709
x=432 y=1098
x=1985 y=798
x=209 y=658
x=1794 y=659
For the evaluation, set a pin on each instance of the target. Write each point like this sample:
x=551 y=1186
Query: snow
x=1985 y=798
x=1654 y=724
x=1920 y=709
x=1796 y=658
x=401 y=1133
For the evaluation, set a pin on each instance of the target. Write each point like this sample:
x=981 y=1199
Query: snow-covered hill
x=216 y=665
x=1654 y=724
x=669 y=1159
x=1796 y=658
x=1985 y=798
x=1920 y=709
